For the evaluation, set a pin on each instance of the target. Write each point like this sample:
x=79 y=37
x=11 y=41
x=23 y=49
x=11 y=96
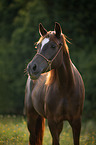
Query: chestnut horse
x=54 y=88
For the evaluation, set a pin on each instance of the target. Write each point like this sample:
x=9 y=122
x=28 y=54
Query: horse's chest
x=56 y=104
x=38 y=94
x=47 y=101
x=50 y=102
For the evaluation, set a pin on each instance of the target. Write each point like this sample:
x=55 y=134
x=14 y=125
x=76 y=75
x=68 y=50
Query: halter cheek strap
x=50 y=61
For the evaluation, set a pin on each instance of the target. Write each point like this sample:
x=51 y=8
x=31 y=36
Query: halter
x=50 y=61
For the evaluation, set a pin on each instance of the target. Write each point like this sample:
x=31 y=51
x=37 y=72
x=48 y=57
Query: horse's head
x=49 y=52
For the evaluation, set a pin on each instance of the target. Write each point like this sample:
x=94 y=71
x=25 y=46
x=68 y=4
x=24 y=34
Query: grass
x=13 y=131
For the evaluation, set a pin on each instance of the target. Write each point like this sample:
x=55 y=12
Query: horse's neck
x=64 y=74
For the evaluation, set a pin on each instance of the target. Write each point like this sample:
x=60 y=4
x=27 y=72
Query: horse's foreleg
x=55 y=129
x=76 y=128
x=36 y=129
x=31 y=123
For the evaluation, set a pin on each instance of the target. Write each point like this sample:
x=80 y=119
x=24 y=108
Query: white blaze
x=44 y=41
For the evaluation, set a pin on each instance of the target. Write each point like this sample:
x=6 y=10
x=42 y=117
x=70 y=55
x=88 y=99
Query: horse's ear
x=42 y=30
x=57 y=29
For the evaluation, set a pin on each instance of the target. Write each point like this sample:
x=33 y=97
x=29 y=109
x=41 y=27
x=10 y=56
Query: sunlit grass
x=88 y=134
x=13 y=131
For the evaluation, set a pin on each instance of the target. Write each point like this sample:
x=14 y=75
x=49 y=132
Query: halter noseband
x=50 y=61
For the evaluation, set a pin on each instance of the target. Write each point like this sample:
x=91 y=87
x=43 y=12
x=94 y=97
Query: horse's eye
x=53 y=46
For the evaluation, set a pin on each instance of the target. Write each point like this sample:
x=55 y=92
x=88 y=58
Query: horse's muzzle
x=32 y=70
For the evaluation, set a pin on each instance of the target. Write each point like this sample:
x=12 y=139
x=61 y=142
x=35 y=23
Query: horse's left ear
x=42 y=30
x=58 y=29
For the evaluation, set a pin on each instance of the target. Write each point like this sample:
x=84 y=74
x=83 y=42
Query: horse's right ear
x=42 y=30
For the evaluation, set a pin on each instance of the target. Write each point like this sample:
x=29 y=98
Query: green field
x=13 y=131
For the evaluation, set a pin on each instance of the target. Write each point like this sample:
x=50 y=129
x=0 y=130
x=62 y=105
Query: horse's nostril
x=34 y=67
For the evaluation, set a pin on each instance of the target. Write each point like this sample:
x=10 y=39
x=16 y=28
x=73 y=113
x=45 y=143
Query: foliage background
x=19 y=21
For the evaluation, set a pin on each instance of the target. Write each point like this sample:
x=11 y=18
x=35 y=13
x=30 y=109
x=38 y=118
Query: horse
x=54 y=89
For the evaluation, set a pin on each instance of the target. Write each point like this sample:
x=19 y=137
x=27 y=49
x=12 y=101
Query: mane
x=39 y=41
x=52 y=74
x=66 y=49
